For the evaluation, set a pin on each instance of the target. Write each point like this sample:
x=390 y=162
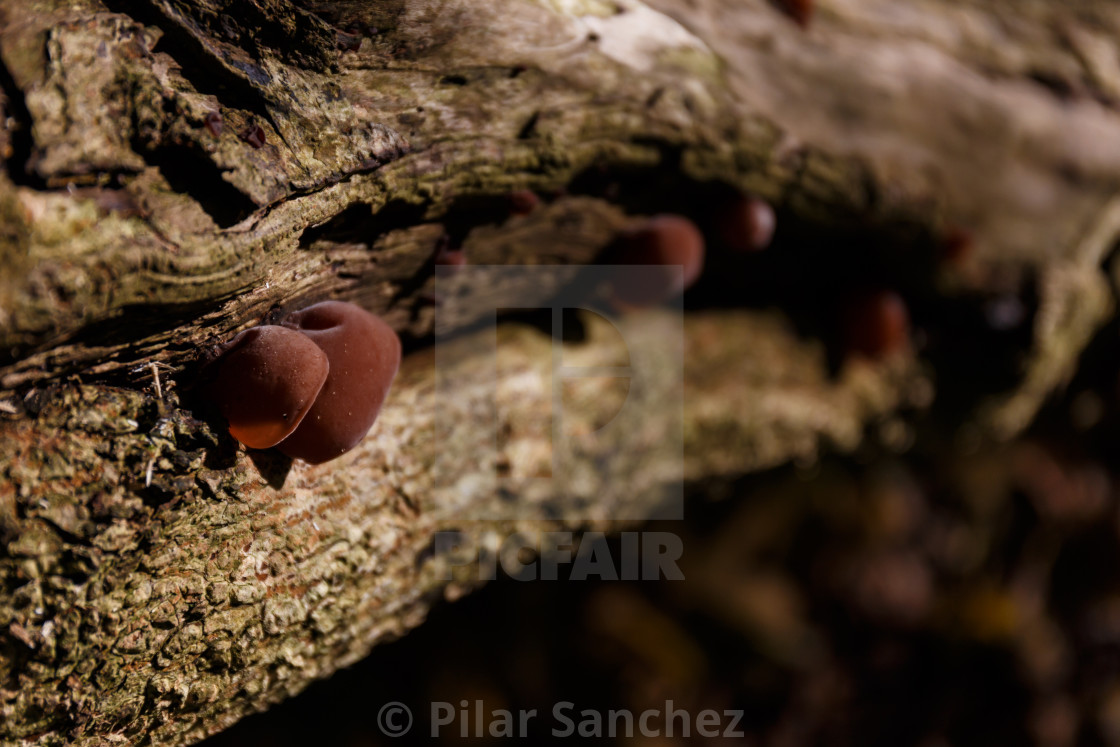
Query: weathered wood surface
x=158 y=584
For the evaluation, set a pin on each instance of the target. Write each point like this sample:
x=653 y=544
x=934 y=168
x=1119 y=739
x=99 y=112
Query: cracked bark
x=158 y=583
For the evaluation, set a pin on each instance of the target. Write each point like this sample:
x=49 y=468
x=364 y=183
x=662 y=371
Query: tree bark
x=177 y=171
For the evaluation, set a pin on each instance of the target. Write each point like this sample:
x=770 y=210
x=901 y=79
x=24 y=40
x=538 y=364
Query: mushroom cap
x=877 y=324
x=364 y=354
x=747 y=224
x=523 y=201
x=665 y=240
x=265 y=383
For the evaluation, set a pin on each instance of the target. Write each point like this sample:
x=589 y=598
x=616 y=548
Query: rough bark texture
x=178 y=170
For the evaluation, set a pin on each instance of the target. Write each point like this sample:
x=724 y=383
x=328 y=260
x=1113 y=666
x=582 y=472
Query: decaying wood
x=176 y=171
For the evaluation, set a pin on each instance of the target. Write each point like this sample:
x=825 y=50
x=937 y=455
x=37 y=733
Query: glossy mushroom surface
x=265 y=382
x=747 y=224
x=364 y=353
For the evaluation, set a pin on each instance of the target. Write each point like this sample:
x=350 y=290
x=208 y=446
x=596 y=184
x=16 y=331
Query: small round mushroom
x=746 y=224
x=364 y=353
x=254 y=135
x=523 y=201
x=265 y=382
x=877 y=324
x=665 y=240
x=213 y=123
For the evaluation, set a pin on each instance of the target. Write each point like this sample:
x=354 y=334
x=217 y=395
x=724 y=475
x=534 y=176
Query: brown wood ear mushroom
x=265 y=382
x=747 y=224
x=663 y=240
x=364 y=354
x=876 y=324
x=312 y=387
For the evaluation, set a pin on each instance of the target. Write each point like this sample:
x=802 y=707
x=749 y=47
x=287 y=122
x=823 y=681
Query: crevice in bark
x=359 y=224
x=370 y=18
x=529 y=128
x=135 y=323
x=973 y=340
x=196 y=63
x=468 y=212
x=17 y=164
x=188 y=171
